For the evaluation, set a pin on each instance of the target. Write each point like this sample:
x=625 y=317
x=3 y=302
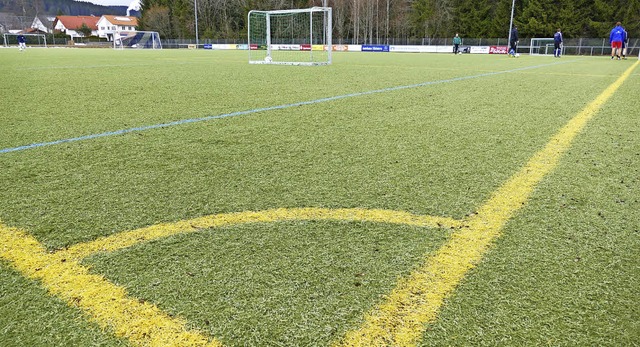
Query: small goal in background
x=137 y=40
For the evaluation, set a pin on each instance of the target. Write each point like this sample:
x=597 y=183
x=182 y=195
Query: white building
x=108 y=25
x=71 y=25
x=43 y=23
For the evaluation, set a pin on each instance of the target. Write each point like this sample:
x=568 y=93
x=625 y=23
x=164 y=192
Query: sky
x=112 y=2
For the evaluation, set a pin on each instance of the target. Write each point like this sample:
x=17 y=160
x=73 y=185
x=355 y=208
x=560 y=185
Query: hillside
x=54 y=7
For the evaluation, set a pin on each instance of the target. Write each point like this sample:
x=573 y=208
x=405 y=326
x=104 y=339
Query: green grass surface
x=282 y=284
x=565 y=272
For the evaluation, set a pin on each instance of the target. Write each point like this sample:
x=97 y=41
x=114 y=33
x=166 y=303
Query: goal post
x=542 y=46
x=290 y=37
x=32 y=40
x=136 y=40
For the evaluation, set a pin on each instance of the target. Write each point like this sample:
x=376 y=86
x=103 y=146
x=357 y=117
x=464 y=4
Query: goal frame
x=540 y=49
x=119 y=35
x=6 y=42
x=269 y=58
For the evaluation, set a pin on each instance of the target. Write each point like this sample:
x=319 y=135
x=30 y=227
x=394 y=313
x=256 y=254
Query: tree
x=500 y=13
x=474 y=17
x=421 y=16
x=84 y=30
x=382 y=21
x=541 y=18
x=157 y=19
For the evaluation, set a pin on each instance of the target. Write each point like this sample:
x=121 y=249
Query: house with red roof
x=71 y=25
x=108 y=25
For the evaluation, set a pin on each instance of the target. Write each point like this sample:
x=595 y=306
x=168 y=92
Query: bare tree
x=157 y=19
x=340 y=19
x=386 y=35
x=355 y=15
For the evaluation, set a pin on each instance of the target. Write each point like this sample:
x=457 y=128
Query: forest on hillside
x=378 y=21
x=31 y=8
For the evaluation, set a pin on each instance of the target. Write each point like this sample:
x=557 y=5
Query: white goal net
x=290 y=37
x=542 y=46
x=137 y=40
x=31 y=40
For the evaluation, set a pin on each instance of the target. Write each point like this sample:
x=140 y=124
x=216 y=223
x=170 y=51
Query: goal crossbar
x=295 y=10
x=290 y=37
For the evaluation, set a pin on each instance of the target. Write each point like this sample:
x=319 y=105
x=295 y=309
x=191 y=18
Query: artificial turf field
x=182 y=198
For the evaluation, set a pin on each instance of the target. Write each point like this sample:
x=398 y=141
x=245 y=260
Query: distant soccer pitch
x=189 y=198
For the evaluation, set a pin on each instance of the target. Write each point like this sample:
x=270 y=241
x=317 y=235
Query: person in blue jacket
x=557 y=43
x=616 y=37
x=22 y=42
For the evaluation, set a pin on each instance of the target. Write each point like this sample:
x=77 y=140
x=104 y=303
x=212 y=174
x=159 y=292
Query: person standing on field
x=514 y=41
x=456 y=43
x=557 y=43
x=22 y=43
x=625 y=44
x=616 y=37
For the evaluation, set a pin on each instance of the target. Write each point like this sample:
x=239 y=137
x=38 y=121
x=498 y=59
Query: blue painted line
x=264 y=109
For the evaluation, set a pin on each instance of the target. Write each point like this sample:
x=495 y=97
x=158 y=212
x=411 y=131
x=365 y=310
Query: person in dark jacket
x=625 y=44
x=514 y=41
x=557 y=43
x=22 y=42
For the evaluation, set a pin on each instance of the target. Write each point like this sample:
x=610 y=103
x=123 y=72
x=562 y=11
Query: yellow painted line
x=108 y=305
x=130 y=238
x=143 y=323
x=402 y=318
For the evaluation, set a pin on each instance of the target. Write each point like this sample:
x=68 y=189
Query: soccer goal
x=543 y=46
x=290 y=37
x=32 y=40
x=136 y=39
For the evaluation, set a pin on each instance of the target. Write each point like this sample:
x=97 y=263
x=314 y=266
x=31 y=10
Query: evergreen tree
x=501 y=16
x=474 y=18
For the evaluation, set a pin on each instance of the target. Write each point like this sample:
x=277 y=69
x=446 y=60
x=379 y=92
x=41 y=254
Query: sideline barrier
x=367 y=48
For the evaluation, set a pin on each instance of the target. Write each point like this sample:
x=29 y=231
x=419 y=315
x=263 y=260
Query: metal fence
x=580 y=46
x=584 y=46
